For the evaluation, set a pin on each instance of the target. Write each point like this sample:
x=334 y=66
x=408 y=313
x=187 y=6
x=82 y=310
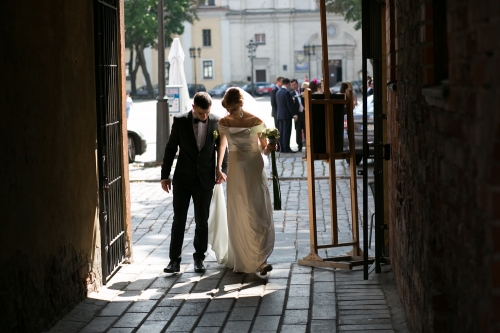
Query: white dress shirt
x=200 y=132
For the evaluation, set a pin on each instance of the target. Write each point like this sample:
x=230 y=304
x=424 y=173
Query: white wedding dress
x=250 y=227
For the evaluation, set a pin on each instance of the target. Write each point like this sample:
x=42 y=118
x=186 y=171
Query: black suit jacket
x=191 y=163
x=274 y=105
x=286 y=109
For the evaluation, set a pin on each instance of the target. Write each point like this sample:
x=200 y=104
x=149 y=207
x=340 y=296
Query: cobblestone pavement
x=291 y=298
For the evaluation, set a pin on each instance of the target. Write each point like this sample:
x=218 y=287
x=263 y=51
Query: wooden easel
x=353 y=257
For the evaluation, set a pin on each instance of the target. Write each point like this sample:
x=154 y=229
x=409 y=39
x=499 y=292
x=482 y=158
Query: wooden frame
x=354 y=257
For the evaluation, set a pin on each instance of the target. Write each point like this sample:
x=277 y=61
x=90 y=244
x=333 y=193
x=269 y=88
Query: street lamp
x=252 y=48
x=308 y=53
x=192 y=54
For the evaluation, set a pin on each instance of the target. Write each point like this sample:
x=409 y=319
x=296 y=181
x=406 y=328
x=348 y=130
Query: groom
x=194 y=176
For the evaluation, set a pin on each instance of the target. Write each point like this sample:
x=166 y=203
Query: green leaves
x=350 y=9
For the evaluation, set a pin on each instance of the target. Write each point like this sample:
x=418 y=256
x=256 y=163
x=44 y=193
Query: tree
x=141 y=30
x=350 y=9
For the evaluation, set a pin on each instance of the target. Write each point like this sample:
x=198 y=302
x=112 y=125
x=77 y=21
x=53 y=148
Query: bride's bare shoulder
x=223 y=121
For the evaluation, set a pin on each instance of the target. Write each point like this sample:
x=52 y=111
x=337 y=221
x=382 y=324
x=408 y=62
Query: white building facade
x=281 y=28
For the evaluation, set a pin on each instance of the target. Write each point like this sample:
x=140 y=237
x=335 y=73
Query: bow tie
x=196 y=120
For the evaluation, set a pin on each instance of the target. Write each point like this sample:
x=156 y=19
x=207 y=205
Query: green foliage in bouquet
x=272 y=135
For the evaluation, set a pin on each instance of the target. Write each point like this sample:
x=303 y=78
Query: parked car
x=358 y=130
x=263 y=88
x=142 y=92
x=219 y=90
x=247 y=88
x=335 y=89
x=136 y=144
x=193 y=91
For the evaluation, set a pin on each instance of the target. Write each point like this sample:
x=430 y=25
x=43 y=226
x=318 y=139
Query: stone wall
x=444 y=175
x=49 y=245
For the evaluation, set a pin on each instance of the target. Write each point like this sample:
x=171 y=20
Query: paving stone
x=164 y=281
x=296 y=317
x=362 y=302
x=276 y=284
x=182 y=324
x=121 y=330
x=245 y=313
x=192 y=308
x=130 y=320
x=115 y=309
x=215 y=319
x=305 y=279
x=365 y=328
x=162 y=313
x=323 y=326
x=266 y=323
x=237 y=326
x=294 y=328
x=299 y=290
x=66 y=326
x=323 y=311
x=99 y=324
x=297 y=303
x=247 y=301
x=219 y=305
x=364 y=321
x=206 y=329
x=354 y=312
x=167 y=301
x=152 y=326
x=323 y=275
x=363 y=307
x=323 y=298
x=323 y=287
x=142 y=306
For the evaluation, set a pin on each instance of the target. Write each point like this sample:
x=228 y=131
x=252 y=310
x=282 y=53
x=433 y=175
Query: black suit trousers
x=201 y=201
x=285 y=128
x=300 y=127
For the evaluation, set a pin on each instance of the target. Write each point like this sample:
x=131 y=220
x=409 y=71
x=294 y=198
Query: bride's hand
x=221 y=177
x=271 y=146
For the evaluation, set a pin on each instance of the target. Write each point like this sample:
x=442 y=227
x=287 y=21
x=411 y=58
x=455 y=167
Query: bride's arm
x=221 y=151
x=265 y=146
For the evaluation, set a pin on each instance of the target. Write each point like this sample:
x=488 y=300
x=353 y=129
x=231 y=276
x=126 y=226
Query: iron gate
x=109 y=136
x=372 y=49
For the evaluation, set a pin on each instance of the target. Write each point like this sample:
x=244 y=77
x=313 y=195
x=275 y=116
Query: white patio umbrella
x=176 y=73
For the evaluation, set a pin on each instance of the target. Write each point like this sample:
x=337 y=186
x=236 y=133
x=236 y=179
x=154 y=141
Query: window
x=208 y=3
x=260 y=38
x=207 y=40
x=208 y=69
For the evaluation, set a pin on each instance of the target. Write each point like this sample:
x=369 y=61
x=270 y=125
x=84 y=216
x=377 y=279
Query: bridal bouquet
x=272 y=135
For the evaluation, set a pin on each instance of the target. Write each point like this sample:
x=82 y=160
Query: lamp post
x=308 y=51
x=162 y=113
x=252 y=48
x=192 y=54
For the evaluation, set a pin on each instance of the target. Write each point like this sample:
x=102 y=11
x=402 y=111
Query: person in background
x=298 y=101
x=286 y=112
x=128 y=103
x=274 y=105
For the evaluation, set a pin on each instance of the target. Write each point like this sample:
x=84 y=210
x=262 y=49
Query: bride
x=250 y=223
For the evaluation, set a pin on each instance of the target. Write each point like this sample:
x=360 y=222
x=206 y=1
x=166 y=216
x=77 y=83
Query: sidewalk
x=291 y=298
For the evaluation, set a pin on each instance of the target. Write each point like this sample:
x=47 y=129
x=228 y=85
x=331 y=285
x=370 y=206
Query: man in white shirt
x=300 y=130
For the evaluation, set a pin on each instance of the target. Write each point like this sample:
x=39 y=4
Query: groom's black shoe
x=173 y=267
x=198 y=266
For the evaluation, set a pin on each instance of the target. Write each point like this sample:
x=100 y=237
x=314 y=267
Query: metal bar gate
x=109 y=137
x=372 y=49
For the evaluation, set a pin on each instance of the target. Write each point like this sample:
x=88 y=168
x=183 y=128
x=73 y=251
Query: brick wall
x=444 y=175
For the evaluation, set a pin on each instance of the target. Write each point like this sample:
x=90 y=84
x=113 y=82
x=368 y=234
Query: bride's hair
x=232 y=96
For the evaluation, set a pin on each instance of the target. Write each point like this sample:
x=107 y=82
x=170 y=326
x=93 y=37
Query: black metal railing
x=109 y=136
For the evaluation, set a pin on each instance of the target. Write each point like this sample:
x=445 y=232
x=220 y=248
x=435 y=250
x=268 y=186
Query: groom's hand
x=166 y=185
x=221 y=177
